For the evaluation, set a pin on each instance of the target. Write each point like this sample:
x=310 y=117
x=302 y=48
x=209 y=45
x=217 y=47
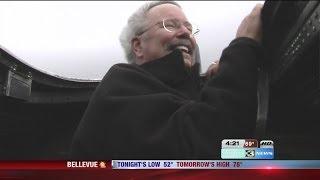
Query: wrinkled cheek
x=165 y=44
x=159 y=45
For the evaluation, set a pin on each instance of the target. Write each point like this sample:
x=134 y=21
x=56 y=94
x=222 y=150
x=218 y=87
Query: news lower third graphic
x=160 y=164
x=215 y=164
x=247 y=149
x=86 y=164
x=174 y=164
x=235 y=154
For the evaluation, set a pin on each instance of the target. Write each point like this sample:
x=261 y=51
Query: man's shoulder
x=125 y=69
x=122 y=76
x=121 y=71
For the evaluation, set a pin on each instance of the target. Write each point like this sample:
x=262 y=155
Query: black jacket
x=159 y=110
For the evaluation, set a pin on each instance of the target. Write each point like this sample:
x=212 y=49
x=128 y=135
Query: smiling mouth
x=187 y=52
x=187 y=55
x=184 y=48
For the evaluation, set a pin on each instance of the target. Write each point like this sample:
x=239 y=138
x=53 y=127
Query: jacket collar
x=170 y=69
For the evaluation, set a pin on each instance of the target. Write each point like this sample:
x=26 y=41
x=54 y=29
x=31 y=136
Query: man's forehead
x=165 y=11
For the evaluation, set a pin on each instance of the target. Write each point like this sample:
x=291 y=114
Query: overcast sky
x=79 y=39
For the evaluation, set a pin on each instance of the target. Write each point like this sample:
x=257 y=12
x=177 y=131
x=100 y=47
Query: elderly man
x=155 y=107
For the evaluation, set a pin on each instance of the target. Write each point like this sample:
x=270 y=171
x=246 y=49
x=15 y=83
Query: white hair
x=136 y=24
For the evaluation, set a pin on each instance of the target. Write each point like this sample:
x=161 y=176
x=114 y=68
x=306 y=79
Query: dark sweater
x=159 y=110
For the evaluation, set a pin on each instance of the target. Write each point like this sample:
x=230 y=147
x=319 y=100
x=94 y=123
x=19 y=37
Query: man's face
x=157 y=42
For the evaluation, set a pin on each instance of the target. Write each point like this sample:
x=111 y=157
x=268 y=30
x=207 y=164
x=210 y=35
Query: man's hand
x=251 y=25
x=212 y=69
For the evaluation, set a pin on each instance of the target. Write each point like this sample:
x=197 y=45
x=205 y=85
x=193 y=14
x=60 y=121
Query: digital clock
x=232 y=143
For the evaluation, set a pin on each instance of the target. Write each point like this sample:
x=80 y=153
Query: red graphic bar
x=83 y=174
x=53 y=165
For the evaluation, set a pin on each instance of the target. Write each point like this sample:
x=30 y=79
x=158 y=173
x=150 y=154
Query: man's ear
x=136 y=47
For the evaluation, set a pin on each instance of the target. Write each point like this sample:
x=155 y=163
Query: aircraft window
x=79 y=39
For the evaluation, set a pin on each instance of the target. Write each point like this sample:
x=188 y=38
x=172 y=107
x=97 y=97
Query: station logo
x=250 y=153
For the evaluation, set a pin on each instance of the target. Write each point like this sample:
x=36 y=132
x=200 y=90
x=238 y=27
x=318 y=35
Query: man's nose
x=183 y=31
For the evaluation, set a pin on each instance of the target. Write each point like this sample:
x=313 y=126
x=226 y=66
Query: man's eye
x=170 y=25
